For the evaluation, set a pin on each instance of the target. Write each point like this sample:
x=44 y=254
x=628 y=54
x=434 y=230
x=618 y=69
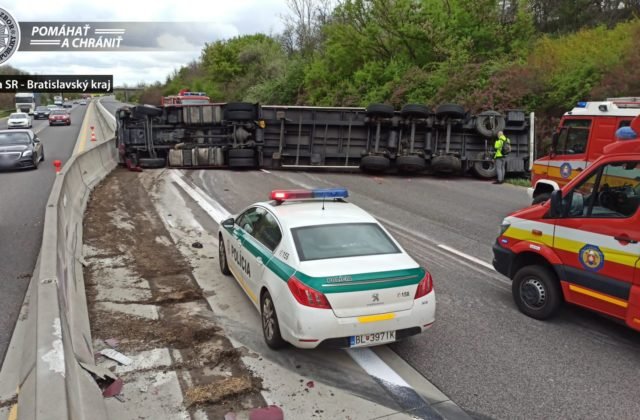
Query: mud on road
x=142 y=296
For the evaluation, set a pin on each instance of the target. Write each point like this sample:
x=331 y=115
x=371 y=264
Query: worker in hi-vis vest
x=499 y=156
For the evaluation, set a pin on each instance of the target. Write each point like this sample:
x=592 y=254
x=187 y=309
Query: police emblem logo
x=9 y=35
x=565 y=170
x=591 y=257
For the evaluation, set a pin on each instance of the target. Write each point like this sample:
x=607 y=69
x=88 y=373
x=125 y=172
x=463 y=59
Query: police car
x=323 y=272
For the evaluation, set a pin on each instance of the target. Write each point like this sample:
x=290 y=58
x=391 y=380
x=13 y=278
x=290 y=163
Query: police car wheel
x=270 y=326
x=536 y=292
x=222 y=258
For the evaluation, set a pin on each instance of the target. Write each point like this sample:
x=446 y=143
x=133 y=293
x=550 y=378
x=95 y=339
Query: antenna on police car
x=323 y=198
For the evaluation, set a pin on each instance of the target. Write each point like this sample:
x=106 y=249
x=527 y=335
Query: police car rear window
x=341 y=241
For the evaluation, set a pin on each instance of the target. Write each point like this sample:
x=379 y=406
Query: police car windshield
x=341 y=241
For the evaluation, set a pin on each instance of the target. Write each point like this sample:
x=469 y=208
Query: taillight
x=425 y=286
x=307 y=296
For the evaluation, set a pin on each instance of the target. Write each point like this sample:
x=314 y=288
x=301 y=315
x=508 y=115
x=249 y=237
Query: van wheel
x=270 y=326
x=536 y=291
x=222 y=258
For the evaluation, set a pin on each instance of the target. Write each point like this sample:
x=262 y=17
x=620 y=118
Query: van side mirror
x=556 y=210
x=229 y=223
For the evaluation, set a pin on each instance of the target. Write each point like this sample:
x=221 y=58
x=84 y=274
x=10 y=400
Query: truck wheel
x=152 y=162
x=380 y=110
x=222 y=258
x=536 y=291
x=240 y=111
x=374 y=163
x=485 y=169
x=411 y=163
x=242 y=153
x=242 y=163
x=489 y=123
x=450 y=110
x=415 y=110
x=446 y=164
x=541 y=198
x=270 y=325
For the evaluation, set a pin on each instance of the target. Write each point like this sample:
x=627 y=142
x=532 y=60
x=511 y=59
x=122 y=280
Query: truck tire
x=536 y=291
x=484 y=169
x=146 y=110
x=411 y=163
x=375 y=163
x=242 y=163
x=240 y=111
x=489 y=123
x=451 y=111
x=415 y=110
x=380 y=110
x=446 y=165
x=242 y=153
x=152 y=162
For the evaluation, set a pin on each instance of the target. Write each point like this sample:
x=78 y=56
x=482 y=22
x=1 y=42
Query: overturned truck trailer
x=377 y=139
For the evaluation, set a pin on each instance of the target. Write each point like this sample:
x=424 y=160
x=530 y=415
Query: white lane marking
x=265 y=171
x=467 y=256
x=208 y=204
x=376 y=367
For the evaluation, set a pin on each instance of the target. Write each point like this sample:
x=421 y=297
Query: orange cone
x=93 y=134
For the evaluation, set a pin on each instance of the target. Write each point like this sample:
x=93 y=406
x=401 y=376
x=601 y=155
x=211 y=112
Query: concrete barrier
x=55 y=382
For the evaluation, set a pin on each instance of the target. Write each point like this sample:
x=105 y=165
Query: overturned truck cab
x=378 y=138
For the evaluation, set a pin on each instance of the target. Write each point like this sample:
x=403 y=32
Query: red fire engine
x=184 y=97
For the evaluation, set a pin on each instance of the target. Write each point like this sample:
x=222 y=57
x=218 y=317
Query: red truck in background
x=581 y=137
x=185 y=97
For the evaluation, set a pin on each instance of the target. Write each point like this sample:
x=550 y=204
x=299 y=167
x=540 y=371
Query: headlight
x=503 y=228
x=27 y=153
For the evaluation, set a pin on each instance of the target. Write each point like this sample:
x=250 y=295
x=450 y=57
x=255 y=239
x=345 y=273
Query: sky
x=211 y=20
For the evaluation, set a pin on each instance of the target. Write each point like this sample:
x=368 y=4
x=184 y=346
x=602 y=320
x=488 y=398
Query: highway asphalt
x=23 y=196
x=482 y=353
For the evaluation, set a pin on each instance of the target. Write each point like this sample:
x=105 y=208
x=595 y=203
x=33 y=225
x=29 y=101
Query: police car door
x=598 y=237
x=258 y=246
x=243 y=266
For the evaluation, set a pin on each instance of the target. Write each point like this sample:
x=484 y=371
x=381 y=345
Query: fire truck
x=583 y=245
x=581 y=137
x=189 y=131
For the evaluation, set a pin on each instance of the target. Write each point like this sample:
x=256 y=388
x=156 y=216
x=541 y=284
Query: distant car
x=19 y=120
x=59 y=116
x=52 y=106
x=83 y=102
x=20 y=149
x=75 y=102
x=67 y=105
x=41 y=112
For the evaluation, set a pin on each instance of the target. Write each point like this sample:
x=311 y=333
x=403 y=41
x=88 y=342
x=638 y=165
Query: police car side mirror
x=229 y=223
x=556 y=209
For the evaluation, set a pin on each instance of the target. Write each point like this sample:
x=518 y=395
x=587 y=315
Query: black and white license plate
x=372 y=339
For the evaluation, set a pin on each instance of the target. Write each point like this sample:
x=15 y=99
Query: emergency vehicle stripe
x=598 y=282
x=359 y=282
x=597 y=295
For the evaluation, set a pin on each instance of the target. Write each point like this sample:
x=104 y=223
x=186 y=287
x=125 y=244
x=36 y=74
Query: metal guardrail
x=57 y=349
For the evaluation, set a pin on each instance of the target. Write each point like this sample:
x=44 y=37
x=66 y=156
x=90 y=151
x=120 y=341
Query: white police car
x=323 y=272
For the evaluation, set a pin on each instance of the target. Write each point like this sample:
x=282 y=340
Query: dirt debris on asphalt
x=132 y=261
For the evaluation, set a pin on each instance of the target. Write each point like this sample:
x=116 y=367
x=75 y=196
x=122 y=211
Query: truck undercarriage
x=376 y=139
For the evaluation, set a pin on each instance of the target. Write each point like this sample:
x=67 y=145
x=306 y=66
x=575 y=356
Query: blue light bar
x=330 y=193
x=582 y=104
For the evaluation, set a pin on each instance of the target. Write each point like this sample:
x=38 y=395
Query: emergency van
x=581 y=137
x=581 y=246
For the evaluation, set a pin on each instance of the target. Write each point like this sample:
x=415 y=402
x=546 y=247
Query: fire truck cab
x=184 y=97
x=583 y=245
x=581 y=137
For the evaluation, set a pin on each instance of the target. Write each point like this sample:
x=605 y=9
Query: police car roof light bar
x=324 y=193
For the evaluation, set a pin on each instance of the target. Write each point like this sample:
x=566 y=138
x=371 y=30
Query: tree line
x=541 y=55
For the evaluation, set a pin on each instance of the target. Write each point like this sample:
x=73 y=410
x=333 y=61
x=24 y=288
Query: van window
x=611 y=191
x=573 y=137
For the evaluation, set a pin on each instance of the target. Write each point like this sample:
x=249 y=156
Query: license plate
x=372 y=339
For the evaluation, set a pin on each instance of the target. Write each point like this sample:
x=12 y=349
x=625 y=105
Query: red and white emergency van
x=583 y=245
x=581 y=137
